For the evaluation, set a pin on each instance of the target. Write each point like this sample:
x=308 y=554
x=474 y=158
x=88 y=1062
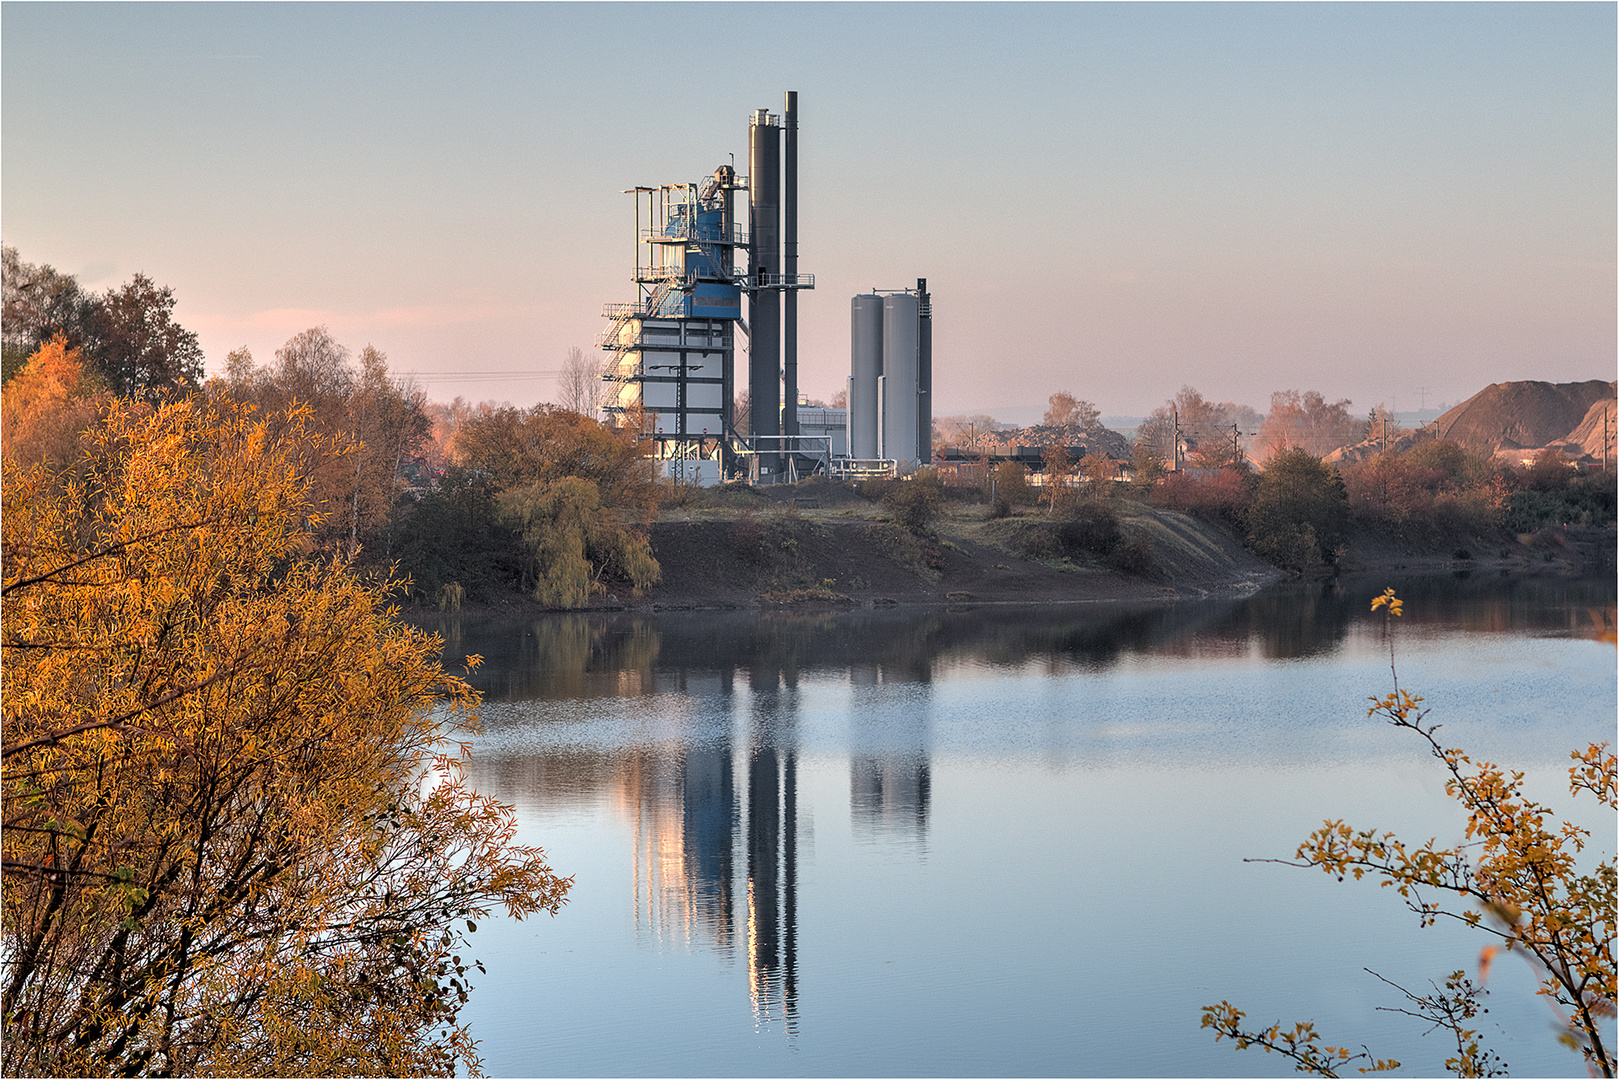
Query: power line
x=482 y=376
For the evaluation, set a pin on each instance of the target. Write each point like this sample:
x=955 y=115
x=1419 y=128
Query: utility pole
x=1604 y=438
x=1175 y=414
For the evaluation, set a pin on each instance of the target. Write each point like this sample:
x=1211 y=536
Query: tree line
x=127 y=337
x=238 y=838
x=1296 y=509
x=455 y=500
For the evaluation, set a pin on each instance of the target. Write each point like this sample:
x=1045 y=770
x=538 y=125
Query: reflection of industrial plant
x=689 y=819
x=890 y=785
x=890 y=795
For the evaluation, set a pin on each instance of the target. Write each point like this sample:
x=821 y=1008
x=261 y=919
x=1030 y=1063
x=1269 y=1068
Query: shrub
x=1012 y=484
x=915 y=499
x=1223 y=495
x=1298 y=513
x=453 y=532
x=1092 y=531
x=1433 y=489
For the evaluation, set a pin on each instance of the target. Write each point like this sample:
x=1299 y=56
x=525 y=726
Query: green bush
x=1586 y=499
x=1090 y=532
x=915 y=499
x=1299 y=512
x=453 y=533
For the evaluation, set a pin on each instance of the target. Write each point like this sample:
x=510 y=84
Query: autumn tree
x=1205 y=430
x=382 y=421
x=1298 y=513
x=1430 y=489
x=37 y=303
x=970 y=431
x=138 y=347
x=1056 y=472
x=580 y=493
x=1065 y=410
x=1308 y=421
x=1517 y=880
x=1011 y=484
x=237 y=836
x=127 y=336
x=48 y=404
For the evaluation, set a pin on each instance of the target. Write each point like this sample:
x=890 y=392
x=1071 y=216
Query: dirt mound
x=835 y=558
x=1398 y=442
x=1521 y=414
x=1601 y=421
x=1509 y=416
x=1094 y=440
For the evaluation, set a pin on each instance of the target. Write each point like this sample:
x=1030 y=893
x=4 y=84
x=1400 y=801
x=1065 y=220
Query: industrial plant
x=700 y=247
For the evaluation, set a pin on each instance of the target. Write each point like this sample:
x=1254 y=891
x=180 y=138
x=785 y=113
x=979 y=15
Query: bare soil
x=841 y=549
x=1509 y=416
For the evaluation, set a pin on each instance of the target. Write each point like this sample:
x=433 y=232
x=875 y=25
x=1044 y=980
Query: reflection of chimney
x=772 y=861
x=764 y=845
x=685 y=812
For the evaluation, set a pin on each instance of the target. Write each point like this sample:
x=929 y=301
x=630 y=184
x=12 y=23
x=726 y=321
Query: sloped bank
x=839 y=558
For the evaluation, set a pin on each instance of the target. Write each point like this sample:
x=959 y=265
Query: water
x=1002 y=841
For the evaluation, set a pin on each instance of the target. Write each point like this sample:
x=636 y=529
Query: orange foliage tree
x=1307 y=421
x=47 y=404
x=237 y=839
x=1431 y=487
x=1517 y=879
x=579 y=493
x=383 y=422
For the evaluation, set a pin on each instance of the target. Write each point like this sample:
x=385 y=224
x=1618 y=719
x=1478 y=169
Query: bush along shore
x=935 y=539
x=547 y=509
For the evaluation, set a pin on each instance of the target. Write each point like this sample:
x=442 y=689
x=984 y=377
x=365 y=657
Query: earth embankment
x=789 y=555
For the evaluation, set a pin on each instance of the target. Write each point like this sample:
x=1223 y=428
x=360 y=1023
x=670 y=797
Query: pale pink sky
x=1376 y=201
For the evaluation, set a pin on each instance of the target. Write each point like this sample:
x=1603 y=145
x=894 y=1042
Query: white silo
x=901 y=333
x=866 y=365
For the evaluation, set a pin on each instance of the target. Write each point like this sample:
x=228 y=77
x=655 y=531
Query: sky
x=1391 y=203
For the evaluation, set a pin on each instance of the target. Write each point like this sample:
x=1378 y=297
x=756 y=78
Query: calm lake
x=1003 y=841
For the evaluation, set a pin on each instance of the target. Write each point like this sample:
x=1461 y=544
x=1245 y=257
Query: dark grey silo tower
x=764 y=298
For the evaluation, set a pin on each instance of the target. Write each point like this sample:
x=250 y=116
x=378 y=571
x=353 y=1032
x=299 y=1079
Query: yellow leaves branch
x=1517 y=879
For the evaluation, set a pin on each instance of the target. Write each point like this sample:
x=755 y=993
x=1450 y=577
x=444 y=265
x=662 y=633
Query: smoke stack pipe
x=789 y=322
x=764 y=301
x=924 y=373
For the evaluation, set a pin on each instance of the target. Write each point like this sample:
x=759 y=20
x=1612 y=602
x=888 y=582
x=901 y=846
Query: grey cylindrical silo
x=900 y=362
x=865 y=364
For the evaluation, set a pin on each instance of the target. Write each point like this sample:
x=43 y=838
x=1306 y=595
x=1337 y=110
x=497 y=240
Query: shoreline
x=817 y=562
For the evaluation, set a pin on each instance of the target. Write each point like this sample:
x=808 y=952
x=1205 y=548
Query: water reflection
x=621 y=654
x=773 y=848
x=890 y=777
x=698 y=744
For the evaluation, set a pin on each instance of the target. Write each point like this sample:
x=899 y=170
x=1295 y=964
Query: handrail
x=679 y=231
x=778 y=281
